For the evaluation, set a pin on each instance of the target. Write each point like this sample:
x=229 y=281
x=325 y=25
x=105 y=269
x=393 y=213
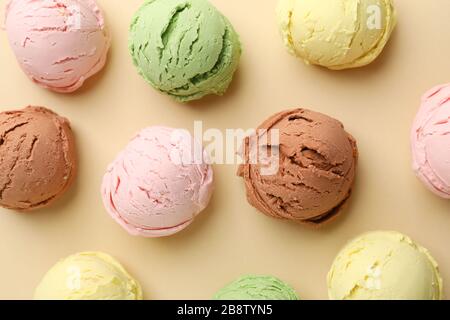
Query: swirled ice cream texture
x=58 y=43
x=88 y=276
x=149 y=191
x=384 y=265
x=430 y=141
x=257 y=288
x=38 y=160
x=317 y=167
x=184 y=48
x=337 y=34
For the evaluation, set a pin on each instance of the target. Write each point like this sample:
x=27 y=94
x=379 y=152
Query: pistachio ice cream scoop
x=184 y=48
x=256 y=288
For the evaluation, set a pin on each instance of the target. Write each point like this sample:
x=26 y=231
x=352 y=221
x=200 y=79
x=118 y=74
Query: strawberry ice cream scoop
x=159 y=183
x=430 y=141
x=58 y=43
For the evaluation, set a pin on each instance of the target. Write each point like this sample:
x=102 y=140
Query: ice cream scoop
x=58 y=43
x=257 y=288
x=184 y=48
x=430 y=141
x=337 y=34
x=317 y=165
x=159 y=183
x=37 y=158
x=384 y=266
x=88 y=276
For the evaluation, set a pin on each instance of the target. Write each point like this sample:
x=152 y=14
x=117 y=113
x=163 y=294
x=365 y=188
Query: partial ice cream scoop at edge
x=88 y=276
x=58 y=44
x=336 y=34
x=430 y=141
x=186 y=49
x=38 y=161
x=384 y=265
x=317 y=166
x=256 y=288
x=159 y=183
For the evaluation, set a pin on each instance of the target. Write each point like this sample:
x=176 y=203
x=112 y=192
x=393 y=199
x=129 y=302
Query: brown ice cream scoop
x=37 y=158
x=316 y=161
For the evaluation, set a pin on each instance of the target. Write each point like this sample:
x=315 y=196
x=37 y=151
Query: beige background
x=377 y=105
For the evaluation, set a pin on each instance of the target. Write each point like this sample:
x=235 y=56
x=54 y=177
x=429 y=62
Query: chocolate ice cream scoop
x=317 y=160
x=37 y=158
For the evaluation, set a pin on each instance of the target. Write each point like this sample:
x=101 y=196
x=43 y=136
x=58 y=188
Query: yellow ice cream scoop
x=384 y=266
x=337 y=34
x=88 y=276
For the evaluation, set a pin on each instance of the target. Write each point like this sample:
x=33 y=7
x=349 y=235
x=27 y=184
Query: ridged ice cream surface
x=337 y=34
x=384 y=265
x=184 y=48
x=257 y=288
x=159 y=183
x=37 y=158
x=58 y=43
x=430 y=141
x=88 y=276
x=317 y=166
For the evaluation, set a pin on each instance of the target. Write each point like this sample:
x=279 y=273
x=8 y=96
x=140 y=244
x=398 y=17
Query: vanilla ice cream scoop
x=337 y=34
x=384 y=265
x=159 y=183
x=58 y=43
x=88 y=276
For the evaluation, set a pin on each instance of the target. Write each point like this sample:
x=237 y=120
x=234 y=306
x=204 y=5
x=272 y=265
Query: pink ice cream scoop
x=158 y=183
x=58 y=43
x=430 y=141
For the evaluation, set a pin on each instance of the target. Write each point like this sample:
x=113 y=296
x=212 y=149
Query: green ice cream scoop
x=184 y=48
x=257 y=288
